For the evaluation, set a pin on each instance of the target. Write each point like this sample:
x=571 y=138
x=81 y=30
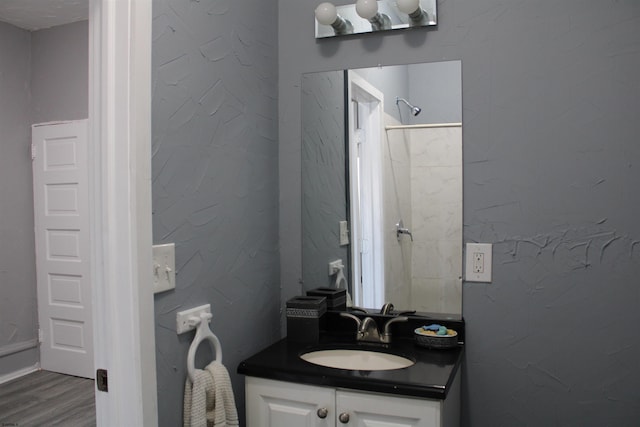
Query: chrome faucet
x=367 y=328
x=401 y=229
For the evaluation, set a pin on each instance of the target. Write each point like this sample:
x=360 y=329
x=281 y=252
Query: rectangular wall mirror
x=382 y=156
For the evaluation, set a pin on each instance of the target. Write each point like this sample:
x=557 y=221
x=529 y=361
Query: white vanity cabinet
x=283 y=404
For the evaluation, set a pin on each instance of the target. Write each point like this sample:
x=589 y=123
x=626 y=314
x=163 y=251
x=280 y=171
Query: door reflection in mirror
x=366 y=140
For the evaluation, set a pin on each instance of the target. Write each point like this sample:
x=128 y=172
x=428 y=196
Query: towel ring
x=202 y=333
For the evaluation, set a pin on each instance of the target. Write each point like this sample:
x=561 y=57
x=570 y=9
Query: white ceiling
x=38 y=14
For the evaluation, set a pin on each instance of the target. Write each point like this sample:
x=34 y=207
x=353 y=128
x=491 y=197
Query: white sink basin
x=357 y=360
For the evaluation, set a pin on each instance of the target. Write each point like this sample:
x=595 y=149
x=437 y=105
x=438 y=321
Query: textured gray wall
x=18 y=310
x=436 y=87
x=60 y=73
x=323 y=178
x=215 y=180
x=550 y=111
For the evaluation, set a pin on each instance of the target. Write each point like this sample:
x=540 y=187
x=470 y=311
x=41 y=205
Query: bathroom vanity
x=401 y=193
x=280 y=403
x=284 y=390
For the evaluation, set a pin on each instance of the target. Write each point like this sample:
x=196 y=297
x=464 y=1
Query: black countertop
x=430 y=377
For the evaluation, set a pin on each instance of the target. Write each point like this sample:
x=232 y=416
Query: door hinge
x=40 y=336
x=101 y=380
x=34 y=151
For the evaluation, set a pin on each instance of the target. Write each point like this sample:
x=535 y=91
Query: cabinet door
x=373 y=410
x=281 y=404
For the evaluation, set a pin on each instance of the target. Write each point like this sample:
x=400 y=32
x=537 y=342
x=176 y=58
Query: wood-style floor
x=47 y=399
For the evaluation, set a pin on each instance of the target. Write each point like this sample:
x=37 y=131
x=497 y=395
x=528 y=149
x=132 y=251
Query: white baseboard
x=9 y=349
x=19 y=373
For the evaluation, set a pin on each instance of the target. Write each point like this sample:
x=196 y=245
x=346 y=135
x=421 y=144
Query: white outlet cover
x=484 y=275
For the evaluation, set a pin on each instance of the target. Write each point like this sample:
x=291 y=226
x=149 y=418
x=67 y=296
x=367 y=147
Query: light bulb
x=367 y=9
x=408 y=6
x=326 y=13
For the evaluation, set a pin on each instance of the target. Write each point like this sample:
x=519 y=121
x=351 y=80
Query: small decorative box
x=336 y=298
x=304 y=315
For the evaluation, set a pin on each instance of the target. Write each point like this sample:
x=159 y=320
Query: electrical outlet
x=182 y=318
x=478 y=262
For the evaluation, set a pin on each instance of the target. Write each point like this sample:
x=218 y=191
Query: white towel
x=225 y=413
x=209 y=401
x=198 y=399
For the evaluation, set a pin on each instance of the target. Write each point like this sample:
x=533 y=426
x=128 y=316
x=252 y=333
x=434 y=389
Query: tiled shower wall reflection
x=436 y=194
x=423 y=187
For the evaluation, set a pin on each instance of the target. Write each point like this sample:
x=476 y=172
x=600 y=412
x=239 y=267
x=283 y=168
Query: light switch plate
x=344 y=233
x=164 y=267
x=478 y=262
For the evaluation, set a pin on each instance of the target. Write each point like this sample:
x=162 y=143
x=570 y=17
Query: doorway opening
x=365 y=185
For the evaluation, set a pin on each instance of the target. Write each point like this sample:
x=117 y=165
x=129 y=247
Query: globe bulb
x=408 y=6
x=326 y=13
x=367 y=9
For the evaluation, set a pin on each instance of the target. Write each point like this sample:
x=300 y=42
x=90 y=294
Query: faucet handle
x=387 y=326
x=351 y=316
x=387 y=308
x=397 y=319
x=401 y=229
x=359 y=324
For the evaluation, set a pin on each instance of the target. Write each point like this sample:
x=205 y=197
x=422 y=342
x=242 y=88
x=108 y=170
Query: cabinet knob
x=344 y=418
x=323 y=412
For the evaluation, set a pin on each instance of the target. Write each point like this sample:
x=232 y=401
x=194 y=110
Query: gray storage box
x=336 y=298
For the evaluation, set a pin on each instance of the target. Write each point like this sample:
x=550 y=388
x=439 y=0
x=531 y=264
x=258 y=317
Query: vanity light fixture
x=372 y=16
x=327 y=14
x=368 y=9
x=413 y=9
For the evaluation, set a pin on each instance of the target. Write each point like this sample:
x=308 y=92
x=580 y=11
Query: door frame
x=120 y=178
x=372 y=123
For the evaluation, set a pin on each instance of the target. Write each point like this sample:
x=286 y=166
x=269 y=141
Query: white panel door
x=61 y=204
